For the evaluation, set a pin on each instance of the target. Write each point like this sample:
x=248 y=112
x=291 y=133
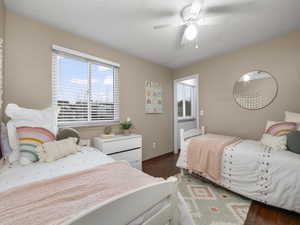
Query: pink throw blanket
x=54 y=201
x=205 y=154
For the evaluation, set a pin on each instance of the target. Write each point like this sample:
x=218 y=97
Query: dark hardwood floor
x=163 y=166
x=259 y=214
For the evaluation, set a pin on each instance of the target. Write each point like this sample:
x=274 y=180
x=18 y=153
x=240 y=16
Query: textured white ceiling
x=127 y=25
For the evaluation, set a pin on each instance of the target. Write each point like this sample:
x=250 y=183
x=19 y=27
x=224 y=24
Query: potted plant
x=126 y=125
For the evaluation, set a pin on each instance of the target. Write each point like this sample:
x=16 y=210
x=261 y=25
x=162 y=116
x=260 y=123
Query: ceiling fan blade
x=178 y=44
x=182 y=39
x=161 y=26
x=167 y=26
x=241 y=7
x=210 y=21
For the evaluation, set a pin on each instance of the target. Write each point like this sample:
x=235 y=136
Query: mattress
x=87 y=158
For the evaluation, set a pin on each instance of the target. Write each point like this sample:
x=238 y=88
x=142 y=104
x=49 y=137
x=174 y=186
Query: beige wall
x=280 y=57
x=2 y=18
x=28 y=78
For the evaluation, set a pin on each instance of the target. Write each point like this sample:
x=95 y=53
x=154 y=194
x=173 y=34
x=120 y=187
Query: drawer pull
x=124 y=151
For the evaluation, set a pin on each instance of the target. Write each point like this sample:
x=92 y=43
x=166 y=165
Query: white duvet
x=260 y=173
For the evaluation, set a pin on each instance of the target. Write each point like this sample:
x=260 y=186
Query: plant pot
x=126 y=132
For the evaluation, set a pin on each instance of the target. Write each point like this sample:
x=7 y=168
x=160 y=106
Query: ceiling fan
x=195 y=15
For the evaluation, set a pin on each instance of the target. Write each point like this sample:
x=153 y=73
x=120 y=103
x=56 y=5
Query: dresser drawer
x=130 y=156
x=134 y=157
x=121 y=145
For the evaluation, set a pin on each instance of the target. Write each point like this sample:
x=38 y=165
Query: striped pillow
x=29 y=138
x=281 y=128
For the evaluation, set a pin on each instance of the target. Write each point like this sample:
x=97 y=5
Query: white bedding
x=255 y=171
x=18 y=175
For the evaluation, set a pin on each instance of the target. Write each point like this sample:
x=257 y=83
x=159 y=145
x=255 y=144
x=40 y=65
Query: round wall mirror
x=255 y=90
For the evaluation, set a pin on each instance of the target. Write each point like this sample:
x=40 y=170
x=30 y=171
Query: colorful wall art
x=154 y=97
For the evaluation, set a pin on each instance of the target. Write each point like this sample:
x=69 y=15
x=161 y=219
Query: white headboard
x=188 y=134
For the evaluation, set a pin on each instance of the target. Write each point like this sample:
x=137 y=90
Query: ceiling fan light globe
x=191 y=32
x=246 y=78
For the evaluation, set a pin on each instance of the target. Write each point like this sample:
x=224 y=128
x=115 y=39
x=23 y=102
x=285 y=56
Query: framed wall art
x=154 y=97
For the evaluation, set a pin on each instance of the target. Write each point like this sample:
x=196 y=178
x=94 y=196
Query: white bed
x=18 y=175
x=160 y=209
x=257 y=172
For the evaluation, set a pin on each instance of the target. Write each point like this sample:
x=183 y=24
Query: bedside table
x=122 y=147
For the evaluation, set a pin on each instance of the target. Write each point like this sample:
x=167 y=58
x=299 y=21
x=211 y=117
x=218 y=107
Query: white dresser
x=122 y=147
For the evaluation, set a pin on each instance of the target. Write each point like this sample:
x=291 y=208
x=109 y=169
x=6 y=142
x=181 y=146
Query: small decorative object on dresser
x=107 y=130
x=126 y=125
x=122 y=147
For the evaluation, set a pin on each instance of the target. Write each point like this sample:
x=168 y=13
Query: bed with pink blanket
x=85 y=188
x=246 y=167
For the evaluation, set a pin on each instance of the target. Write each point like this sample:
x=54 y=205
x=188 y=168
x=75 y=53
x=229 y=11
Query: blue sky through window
x=73 y=81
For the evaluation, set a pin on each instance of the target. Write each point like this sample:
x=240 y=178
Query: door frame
x=175 y=108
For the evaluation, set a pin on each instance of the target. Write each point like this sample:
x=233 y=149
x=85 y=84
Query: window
x=85 y=88
x=185 y=101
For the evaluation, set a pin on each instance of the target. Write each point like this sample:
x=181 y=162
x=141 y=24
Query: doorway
x=186 y=106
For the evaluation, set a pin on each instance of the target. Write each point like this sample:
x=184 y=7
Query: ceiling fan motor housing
x=188 y=16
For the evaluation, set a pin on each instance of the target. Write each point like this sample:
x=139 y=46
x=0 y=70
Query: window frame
x=90 y=60
x=184 y=98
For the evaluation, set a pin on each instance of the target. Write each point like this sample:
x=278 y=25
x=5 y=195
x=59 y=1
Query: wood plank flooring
x=259 y=214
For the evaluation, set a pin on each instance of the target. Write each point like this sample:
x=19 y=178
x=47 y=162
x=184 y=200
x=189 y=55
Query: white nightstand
x=122 y=147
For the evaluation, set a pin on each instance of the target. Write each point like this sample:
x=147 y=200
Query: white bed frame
x=188 y=134
x=185 y=135
x=125 y=208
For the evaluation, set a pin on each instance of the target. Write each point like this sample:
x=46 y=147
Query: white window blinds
x=85 y=88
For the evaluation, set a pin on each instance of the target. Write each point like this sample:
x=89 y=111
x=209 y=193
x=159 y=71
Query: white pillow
x=55 y=150
x=293 y=117
x=277 y=143
x=43 y=116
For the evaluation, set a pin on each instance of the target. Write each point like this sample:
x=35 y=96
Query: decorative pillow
x=269 y=124
x=277 y=143
x=65 y=133
x=29 y=139
x=55 y=150
x=293 y=142
x=293 y=117
x=45 y=118
x=281 y=128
